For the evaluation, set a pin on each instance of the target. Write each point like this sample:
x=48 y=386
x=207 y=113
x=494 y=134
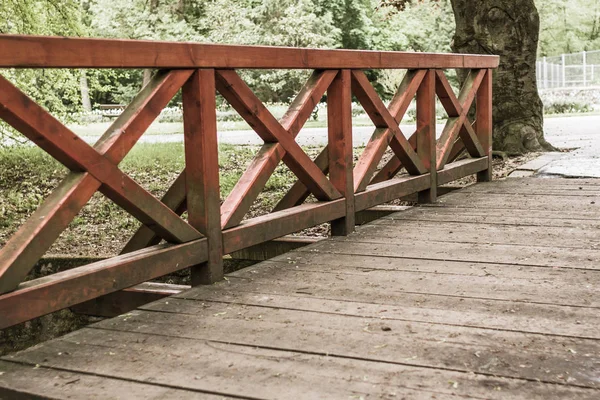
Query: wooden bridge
x=488 y=292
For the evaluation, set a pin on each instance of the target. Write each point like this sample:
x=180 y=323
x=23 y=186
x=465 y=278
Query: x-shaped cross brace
x=92 y=169
x=458 y=123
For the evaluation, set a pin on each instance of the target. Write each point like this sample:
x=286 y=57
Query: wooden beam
x=18 y=51
x=270 y=155
x=281 y=223
x=126 y=300
x=245 y=102
x=38 y=233
x=379 y=141
x=298 y=193
x=42 y=296
x=202 y=170
x=462 y=168
x=274 y=248
x=381 y=117
x=393 y=189
x=483 y=123
x=426 y=139
x=339 y=128
x=457 y=109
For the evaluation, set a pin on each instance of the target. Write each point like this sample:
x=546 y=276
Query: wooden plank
x=431 y=301
x=470 y=252
x=274 y=248
x=19 y=51
x=481 y=351
x=241 y=98
x=123 y=301
x=426 y=137
x=63 y=289
x=563 y=237
x=483 y=123
x=277 y=373
x=281 y=223
x=398 y=282
x=202 y=171
x=34 y=237
x=562 y=203
x=393 y=189
x=16 y=383
x=460 y=169
x=339 y=128
x=381 y=117
x=374 y=213
x=268 y=157
x=495 y=217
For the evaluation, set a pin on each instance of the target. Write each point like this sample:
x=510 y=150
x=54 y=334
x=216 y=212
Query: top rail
x=19 y=51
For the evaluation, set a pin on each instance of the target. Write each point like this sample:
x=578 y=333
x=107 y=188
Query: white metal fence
x=577 y=70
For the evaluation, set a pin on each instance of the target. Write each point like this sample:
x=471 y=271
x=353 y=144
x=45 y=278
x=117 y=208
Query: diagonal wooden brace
x=381 y=117
x=270 y=155
x=241 y=97
x=379 y=141
x=34 y=237
x=458 y=124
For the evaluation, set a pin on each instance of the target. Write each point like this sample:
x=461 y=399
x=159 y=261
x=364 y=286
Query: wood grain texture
x=483 y=123
x=253 y=180
x=38 y=233
x=245 y=102
x=19 y=51
x=381 y=117
x=54 y=292
x=426 y=137
x=430 y=301
x=203 y=194
x=339 y=128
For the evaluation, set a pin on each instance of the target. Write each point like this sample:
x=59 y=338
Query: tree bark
x=510 y=29
x=85 y=91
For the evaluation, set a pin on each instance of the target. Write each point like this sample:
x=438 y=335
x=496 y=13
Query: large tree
x=510 y=29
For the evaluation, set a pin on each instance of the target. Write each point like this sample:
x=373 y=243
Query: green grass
x=29 y=175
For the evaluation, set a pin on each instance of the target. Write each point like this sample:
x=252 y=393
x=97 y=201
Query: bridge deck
x=491 y=293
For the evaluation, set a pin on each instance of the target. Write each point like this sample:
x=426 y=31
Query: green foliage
x=568 y=26
x=394 y=25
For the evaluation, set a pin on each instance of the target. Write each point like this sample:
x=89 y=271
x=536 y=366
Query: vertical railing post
x=202 y=170
x=483 y=123
x=339 y=127
x=426 y=140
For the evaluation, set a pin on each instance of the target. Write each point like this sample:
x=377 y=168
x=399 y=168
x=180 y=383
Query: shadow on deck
x=490 y=293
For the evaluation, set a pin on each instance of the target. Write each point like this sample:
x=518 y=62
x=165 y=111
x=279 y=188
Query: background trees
x=400 y=25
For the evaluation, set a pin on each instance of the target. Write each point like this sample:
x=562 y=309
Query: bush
x=567 y=107
x=569 y=101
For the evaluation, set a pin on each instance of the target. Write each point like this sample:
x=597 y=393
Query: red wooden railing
x=215 y=229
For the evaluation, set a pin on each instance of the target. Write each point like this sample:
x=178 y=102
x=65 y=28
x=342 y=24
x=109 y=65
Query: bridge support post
x=339 y=122
x=483 y=123
x=202 y=173
x=426 y=140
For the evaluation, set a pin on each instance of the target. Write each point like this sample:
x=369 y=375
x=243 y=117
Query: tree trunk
x=510 y=29
x=146 y=77
x=85 y=91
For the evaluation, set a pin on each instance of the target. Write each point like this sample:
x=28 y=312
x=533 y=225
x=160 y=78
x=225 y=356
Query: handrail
x=18 y=51
x=214 y=229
